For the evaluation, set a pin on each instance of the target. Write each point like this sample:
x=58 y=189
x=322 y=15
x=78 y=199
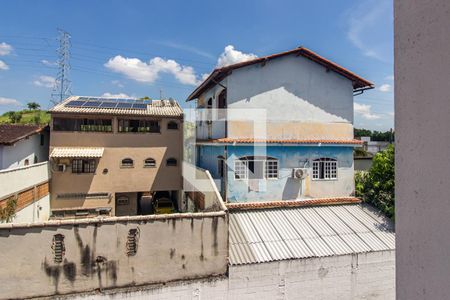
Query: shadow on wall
x=291 y=189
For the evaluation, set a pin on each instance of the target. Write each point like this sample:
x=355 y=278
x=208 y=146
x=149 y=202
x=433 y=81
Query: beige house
x=114 y=156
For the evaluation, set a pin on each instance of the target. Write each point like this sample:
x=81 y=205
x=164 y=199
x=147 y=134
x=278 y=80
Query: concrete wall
x=422 y=112
x=137 y=146
x=18 y=179
x=200 y=181
x=285 y=187
x=13 y=181
x=362 y=276
x=169 y=247
x=38 y=211
x=291 y=89
x=14 y=156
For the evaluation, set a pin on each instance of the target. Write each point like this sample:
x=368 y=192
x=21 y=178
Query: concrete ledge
x=115 y=220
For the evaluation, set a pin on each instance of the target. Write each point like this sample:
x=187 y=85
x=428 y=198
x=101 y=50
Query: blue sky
x=144 y=48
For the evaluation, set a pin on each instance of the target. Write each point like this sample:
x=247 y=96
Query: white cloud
x=5 y=49
x=204 y=76
x=231 y=56
x=370 y=28
x=385 y=88
x=389 y=77
x=141 y=71
x=45 y=81
x=365 y=111
x=9 y=101
x=119 y=95
x=48 y=63
x=3 y=66
x=117 y=83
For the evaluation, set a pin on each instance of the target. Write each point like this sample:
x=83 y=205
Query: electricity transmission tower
x=61 y=89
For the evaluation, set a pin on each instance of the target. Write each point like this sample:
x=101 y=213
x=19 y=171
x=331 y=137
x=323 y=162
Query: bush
x=377 y=186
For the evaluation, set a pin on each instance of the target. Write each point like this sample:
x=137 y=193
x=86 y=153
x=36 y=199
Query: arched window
x=172 y=125
x=171 y=162
x=149 y=163
x=127 y=163
x=324 y=168
x=256 y=167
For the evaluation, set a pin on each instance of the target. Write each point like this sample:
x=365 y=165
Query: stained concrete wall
x=422 y=112
x=361 y=276
x=169 y=247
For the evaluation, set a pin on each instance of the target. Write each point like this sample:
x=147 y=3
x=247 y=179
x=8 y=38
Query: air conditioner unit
x=62 y=167
x=299 y=173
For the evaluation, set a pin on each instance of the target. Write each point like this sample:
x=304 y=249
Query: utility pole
x=61 y=89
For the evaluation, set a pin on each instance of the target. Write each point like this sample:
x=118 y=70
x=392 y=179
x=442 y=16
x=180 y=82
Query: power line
x=62 y=82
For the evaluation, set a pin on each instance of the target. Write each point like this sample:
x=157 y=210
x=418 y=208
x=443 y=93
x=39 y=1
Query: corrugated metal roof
x=77 y=152
x=164 y=108
x=300 y=232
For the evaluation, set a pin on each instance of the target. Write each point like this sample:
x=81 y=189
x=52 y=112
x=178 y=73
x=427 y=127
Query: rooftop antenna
x=61 y=90
x=160 y=94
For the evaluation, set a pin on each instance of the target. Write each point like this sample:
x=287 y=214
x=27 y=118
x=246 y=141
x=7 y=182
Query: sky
x=153 y=48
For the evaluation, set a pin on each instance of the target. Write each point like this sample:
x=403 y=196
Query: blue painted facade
x=284 y=187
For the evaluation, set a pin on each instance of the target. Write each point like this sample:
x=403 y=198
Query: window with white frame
x=256 y=167
x=240 y=169
x=324 y=168
x=271 y=169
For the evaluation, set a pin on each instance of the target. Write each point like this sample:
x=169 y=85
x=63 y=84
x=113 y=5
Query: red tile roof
x=280 y=141
x=218 y=74
x=292 y=203
x=12 y=133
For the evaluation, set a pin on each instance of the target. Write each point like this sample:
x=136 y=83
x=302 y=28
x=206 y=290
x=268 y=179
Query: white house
x=22 y=145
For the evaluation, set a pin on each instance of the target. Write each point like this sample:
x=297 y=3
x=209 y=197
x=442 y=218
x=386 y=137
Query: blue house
x=278 y=127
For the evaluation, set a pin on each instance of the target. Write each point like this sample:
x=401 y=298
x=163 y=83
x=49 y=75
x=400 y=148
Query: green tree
x=14 y=116
x=37 y=118
x=145 y=98
x=33 y=106
x=377 y=186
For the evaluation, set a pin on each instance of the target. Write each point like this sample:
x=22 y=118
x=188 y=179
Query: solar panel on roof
x=92 y=104
x=139 y=106
x=75 y=103
x=83 y=98
x=108 y=105
x=124 y=105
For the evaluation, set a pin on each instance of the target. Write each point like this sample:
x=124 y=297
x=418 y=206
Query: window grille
x=324 y=169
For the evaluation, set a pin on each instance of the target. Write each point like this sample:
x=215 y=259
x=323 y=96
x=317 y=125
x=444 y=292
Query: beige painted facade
x=290 y=130
x=110 y=177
